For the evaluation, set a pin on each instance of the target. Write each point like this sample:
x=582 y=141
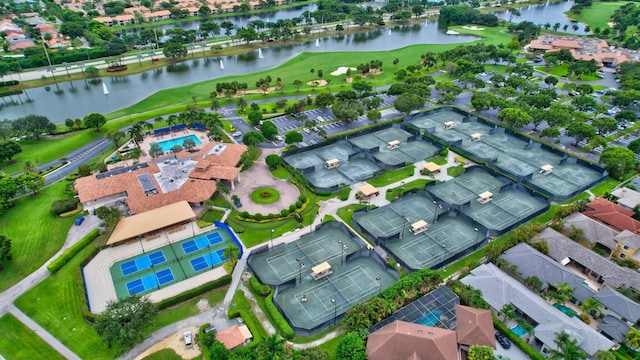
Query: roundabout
x=265 y=195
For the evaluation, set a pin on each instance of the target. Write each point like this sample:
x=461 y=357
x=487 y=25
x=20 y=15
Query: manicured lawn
x=454 y=171
x=604 y=187
x=346 y=212
x=36 y=234
x=45 y=150
x=212 y=216
x=392 y=176
x=63 y=319
x=240 y=302
x=331 y=346
x=598 y=14
x=556 y=70
x=415 y=184
x=20 y=342
x=164 y=354
x=280 y=172
x=440 y=160
x=265 y=195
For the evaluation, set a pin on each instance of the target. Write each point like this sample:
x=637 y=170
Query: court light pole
x=477 y=235
x=300 y=270
x=272 y=230
x=210 y=256
x=140 y=239
x=335 y=310
x=379 y=285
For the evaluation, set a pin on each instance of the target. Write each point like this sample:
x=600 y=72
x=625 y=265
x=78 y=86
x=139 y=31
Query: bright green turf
x=19 y=342
x=598 y=14
x=265 y=195
x=36 y=234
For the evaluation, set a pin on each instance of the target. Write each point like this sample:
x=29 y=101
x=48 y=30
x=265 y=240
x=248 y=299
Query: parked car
x=503 y=341
x=237 y=134
x=306 y=131
x=188 y=338
x=79 y=220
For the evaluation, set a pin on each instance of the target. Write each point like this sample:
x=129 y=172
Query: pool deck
x=99 y=284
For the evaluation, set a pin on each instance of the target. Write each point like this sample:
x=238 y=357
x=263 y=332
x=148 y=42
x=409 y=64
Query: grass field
x=20 y=342
x=35 y=233
x=391 y=176
x=164 y=354
x=598 y=14
x=64 y=320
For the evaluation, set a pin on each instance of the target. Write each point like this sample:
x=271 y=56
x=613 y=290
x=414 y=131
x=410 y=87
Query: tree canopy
x=95 y=120
x=618 y=161
x=123 y=322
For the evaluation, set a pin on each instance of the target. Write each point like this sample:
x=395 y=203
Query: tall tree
x=351 y=347
x=567 y=349
x=618 y=161
x=30 y=182
x=408 y=102
x=95 y=120
x=123 y=322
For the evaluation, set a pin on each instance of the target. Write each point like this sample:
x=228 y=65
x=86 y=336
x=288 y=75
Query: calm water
x=77 y=99
x=545 y=13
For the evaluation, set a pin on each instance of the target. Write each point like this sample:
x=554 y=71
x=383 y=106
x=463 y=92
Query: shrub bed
x=74 y=212
x=265 y=195
x=64 y=205
x=64 y=258
x=189 y=294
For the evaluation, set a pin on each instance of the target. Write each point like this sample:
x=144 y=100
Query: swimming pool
x=567 y=311
x=519 y=330
x=167 y=145
x=429 y=319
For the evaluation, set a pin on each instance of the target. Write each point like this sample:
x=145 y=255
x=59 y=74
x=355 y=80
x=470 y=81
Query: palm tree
x=575 y=27
x=479 y=352
x=271 y=347
x=562 y=294
x=231 y=253
x=556 y=26
x=29 y=167
x=508 y=312
x=297 y=84
x=565 y=27
x=591 y=306
x=135 y=131
x=567 y=349
x=66 y=65
x=547 y=26
x=632 y=338
x=147 y=125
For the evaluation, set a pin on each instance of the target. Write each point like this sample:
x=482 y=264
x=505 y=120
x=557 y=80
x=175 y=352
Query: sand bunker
x=342 y=70
x=317 y=83
x=451 y=32
x=473 y=28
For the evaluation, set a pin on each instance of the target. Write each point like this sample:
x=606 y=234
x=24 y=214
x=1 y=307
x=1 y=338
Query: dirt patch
x=175 y=342
x=203 y=305
x=317 y=83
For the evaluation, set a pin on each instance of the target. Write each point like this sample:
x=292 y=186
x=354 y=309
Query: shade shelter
x=147 y=222
x=546 y=169
x=476 y=137
x=368 y=190
x=449 y=125
x=418 y=227
x=485 y=197
x=432 y=167
x=332 y=163
x=320 y=271
x=394 y=144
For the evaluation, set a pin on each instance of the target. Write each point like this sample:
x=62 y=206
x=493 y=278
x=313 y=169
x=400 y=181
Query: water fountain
x=317 y=42
x=389 y=32
x=221 y=65
x=260 y=54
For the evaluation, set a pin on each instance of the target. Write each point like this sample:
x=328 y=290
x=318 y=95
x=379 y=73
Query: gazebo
x=485 y=197
x=449 y=125
x=394 y=144
x=476 y=137
x=332 y=163
x=418 y=227
x=432 y=167
x=546 y=169
x=367 y=190
x=321 y=270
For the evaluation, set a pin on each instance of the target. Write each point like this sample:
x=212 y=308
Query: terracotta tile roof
x=613 y=215
x=234 y=336
x=402 y=340
x=474 y=326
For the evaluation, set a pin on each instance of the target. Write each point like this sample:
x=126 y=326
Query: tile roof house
x=533 y=263
x=564 y=250
x=613 y=328
x=234 y=336
x=474 y=326
x=593 y=231
x=583 y=48
x=499 y=289
x=163 y=181
x=403 y=340
x=626 y=197
x=613 y=215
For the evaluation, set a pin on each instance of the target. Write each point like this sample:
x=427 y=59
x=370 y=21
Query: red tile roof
x=474 y=326
x=613 y=215
x=402 y=340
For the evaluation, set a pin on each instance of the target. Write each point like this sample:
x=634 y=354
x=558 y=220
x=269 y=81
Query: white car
x=188 y=338
x=236 y=134
x=306 y=131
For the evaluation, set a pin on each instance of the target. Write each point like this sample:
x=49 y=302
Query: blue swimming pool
x=167 y=145
x=429 y=319
x=567 y=311
x=519 y=330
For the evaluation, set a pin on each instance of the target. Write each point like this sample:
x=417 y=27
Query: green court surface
x=170 y=264
x=279 y=264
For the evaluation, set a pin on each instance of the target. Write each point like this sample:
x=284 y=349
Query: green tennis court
x=279 y=264
x=315 y=304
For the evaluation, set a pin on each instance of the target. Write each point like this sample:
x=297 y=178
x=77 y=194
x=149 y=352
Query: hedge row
x=263 y=290
x=61 y=260
x=189 y=294
x=298 y=207
x=278 y=320
x=74 y=212
x=203 y=347
x=517 y=340
x=9 y=83
x=64 y=205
